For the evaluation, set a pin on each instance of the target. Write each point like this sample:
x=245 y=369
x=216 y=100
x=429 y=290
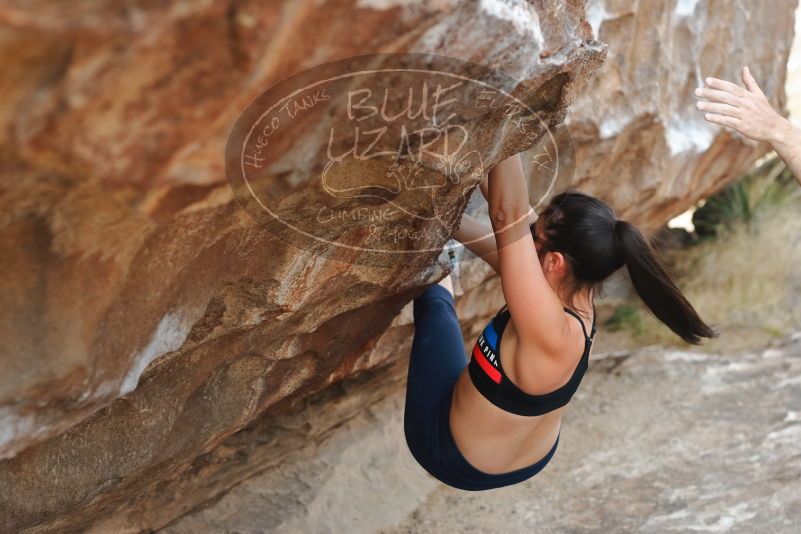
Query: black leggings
x=437 y=359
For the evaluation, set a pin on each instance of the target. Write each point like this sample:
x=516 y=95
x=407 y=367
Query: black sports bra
x=489 y=378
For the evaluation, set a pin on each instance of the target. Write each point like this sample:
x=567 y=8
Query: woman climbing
x=495 y=420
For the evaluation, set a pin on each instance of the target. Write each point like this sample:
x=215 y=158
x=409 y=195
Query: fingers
x=720 y=109
x=723 y=85
x=723 y=120
x=715 y=95
x=750 y=82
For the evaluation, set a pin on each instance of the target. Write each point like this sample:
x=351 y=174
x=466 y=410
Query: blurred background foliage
x=757 y=194
x=738 y=266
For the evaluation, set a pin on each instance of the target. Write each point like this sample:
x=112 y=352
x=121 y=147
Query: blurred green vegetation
x=758 y=193
x=626 y=317
x=739 y=268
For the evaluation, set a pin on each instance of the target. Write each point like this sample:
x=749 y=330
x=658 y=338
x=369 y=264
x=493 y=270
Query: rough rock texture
x=656 y=440
x=640 y=142
x=145 y=317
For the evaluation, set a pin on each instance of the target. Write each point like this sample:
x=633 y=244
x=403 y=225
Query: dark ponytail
x=595 y=244
x=655 y=288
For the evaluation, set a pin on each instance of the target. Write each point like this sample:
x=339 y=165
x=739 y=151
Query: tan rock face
x=641 y=144
x=145 y=316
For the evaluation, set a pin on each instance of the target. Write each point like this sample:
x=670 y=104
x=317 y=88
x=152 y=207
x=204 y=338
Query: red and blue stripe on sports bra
x=487 y=373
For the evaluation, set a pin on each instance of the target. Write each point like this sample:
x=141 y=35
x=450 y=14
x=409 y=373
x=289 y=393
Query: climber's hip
x=437 y=360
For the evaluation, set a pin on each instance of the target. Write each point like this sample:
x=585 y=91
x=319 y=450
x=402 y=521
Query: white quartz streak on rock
x=169 y=335
x=15 y=428
x=613 y=125
x=596 y=14
x=13 y=425
x=689 y=135
x=685 y=8
x=521 y=14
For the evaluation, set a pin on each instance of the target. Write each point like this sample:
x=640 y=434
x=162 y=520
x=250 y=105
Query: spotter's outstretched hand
x=745 y=110
x=748 y=112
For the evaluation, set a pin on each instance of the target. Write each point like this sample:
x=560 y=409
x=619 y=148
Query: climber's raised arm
x=534 y=307
x=478 y=236
x=748 y=112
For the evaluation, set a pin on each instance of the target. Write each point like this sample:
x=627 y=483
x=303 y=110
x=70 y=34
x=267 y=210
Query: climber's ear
x=555 y=262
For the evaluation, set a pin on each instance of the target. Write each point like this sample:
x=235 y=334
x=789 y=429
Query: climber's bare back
x=494 y=440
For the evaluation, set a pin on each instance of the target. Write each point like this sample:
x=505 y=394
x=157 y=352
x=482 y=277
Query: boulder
x=147 y=317
x=149 y=323
x=641 y=144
